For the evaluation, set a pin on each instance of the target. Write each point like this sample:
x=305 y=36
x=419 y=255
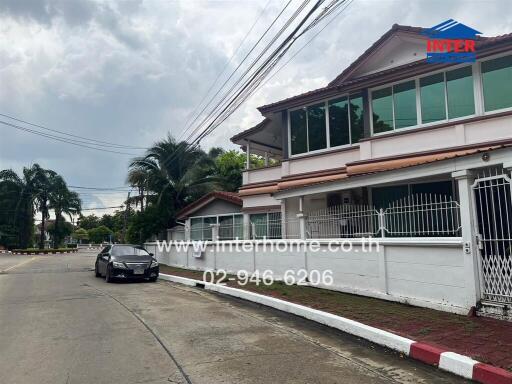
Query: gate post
x=465 y=179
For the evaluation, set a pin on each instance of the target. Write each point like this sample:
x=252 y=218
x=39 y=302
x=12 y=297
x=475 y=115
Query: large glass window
x=338 y=122
x=382 y=109
x=356 y=118
x=316 y=127
x=196 y=228
x=346 y=120
x=459 y=89
x=404 y=98
x=298 y=131
x=231 y=227
x=266 y=225
x=433 y=100
x=497 y=83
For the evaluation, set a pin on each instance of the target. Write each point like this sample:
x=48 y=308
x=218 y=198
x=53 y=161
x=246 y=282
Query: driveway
x=60 y=324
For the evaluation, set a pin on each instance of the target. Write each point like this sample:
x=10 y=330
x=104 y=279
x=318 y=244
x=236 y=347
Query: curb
x=39 y=253
x=455 y=363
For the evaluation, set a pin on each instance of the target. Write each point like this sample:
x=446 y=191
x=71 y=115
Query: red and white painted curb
x=449 y=361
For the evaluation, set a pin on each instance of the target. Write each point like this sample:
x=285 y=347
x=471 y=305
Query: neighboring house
x=414 y=153
x=216 y=215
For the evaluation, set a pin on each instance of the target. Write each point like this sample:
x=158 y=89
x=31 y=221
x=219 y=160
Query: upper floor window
x=345 y=120
x=459 y=93
x=394 y=107
x=497 y=83
x=447 y=95
x=308 y=129
x=328 y=124
x=442 y=96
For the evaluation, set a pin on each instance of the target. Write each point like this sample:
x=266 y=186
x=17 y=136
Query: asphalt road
x=60 y=324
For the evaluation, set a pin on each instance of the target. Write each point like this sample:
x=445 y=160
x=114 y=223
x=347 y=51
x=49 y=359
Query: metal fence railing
x=419 y=215
x=343 y=221
x=423 y=215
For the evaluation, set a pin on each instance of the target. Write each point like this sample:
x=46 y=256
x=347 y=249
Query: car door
x=103 y=258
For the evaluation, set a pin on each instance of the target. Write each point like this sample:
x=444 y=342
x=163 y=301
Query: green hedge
x=44 y=251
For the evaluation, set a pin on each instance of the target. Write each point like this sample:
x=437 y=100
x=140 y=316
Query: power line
x=304 y=46
x=225 y=67
x=61 y=139
x=107 y=143
x=244 y=91
x=238 y=66
x=237 y=94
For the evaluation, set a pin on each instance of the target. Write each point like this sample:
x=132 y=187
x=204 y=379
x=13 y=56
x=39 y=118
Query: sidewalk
x=484 y=339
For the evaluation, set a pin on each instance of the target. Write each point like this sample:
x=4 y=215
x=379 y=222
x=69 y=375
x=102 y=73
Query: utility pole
x=127 y=210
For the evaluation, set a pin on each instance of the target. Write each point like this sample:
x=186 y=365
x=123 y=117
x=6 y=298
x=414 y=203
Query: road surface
x=60 y=324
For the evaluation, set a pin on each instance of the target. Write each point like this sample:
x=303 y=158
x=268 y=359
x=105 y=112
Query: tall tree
x=19 y=199
x=62 y=201
x=176 y=173
x=138 y=178
x=43 y=181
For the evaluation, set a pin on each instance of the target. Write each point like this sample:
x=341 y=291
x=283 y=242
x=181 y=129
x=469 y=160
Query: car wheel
x=153 y=279
x=96 y=271
x=108 y=276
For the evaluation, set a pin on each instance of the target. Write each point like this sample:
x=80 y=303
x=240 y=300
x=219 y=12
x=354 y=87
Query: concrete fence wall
x=423 y=272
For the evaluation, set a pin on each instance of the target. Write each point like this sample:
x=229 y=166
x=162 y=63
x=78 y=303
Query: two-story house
x=397 y=148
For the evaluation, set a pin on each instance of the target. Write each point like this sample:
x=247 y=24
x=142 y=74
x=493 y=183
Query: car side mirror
x=151 y=254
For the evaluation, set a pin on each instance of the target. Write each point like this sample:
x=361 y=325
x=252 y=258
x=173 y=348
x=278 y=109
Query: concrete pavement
x=60 y=324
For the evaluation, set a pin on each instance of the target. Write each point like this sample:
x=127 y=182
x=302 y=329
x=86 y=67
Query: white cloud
x=132 y=71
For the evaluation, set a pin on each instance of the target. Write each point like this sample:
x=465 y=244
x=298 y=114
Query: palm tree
x=44 y=180
x=62 y=201
x=138 y=178
x=175 y=172
x=21 y=198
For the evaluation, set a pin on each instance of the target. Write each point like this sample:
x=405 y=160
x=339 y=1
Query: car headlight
x=117 y=264
x=154 y=263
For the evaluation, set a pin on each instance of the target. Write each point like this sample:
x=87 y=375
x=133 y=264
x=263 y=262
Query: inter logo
x=451 y=42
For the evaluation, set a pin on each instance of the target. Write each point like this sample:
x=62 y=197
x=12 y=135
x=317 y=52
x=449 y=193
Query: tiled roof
x=231 y=197
x=261 y=125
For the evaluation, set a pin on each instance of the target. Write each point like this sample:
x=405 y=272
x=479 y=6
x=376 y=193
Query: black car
x=126 y=261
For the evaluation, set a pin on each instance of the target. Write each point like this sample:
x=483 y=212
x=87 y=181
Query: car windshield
x=121 y=250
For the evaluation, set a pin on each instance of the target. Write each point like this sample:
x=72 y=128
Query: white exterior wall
x=263 y=200
x=422 y=272
x=450 y=136
x=261 y=175
x=321 y=162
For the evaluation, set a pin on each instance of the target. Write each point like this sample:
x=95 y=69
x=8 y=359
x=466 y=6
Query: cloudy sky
x=130 y=72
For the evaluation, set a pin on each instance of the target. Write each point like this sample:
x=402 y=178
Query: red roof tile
x=231 y=197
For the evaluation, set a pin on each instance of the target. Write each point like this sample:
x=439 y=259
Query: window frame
x=478 y=98
x=481 y=83
x=417 y=79
x=268 y=222
x=216 y=222
x=328 y=147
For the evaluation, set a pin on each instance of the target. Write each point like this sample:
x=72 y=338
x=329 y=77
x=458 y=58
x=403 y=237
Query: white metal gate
x=493 y=210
